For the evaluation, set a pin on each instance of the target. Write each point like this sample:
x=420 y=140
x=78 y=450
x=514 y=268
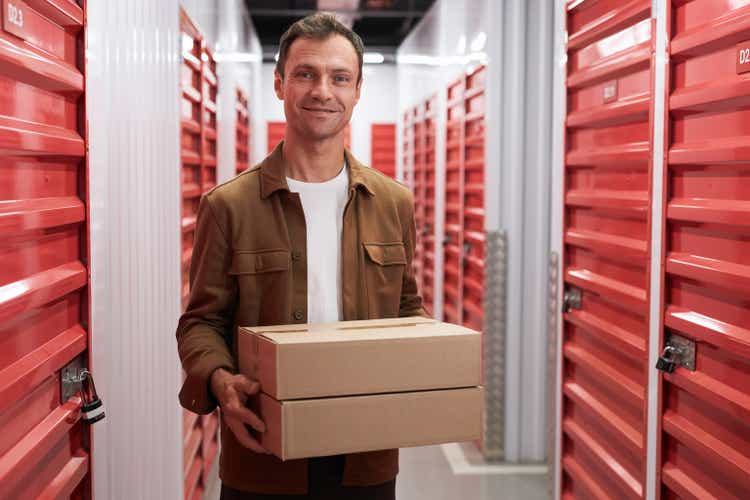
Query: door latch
x=678 y=351
x=75 y=378
x=572 y=299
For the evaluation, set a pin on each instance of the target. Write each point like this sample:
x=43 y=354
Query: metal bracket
x=684 y=350
x=70 y=378
x=572 y=298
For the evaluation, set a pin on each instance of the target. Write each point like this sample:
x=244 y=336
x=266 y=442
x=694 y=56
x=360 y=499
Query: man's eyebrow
x=304 y=66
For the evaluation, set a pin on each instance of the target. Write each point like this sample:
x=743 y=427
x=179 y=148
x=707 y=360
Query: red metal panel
x=473 y=201
x=418 y=187
x=276 y=131
x=704 y=449
x=209 y=135
x=606 y=248
x=383 y=148
x=44 y=296
x=453 y=244
x=243 y=132
x=428 y=227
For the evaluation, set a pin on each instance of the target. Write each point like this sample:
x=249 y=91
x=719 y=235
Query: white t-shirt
x=323 y=204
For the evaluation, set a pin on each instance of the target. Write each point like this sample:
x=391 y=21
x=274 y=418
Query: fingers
x=243 y=436
x=243 y=414
x=245 y=385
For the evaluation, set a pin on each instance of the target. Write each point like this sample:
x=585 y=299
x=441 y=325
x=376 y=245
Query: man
x=309 y=235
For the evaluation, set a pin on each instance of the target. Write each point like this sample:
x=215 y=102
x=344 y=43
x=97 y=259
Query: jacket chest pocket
x=384 y=273
x=262 y=283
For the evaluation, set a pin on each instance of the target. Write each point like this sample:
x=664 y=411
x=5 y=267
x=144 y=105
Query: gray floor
x=427 y=475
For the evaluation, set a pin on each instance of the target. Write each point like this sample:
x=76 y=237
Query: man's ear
x=278 y=84
x=359 y=91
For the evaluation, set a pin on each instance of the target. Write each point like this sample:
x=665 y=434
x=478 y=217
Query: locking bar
x=572 y=299
x=71 y=377
x=684 y=351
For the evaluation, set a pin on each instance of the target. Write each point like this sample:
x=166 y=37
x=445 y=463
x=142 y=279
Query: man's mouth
x=319 y=110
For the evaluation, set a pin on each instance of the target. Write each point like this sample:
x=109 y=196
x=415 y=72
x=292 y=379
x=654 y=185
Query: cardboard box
x=360 y=357
x=332 y=426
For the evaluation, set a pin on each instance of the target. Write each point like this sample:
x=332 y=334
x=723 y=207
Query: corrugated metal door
x=705 y=414
x=383 y=148
x=191 y=153
x=276 y=131
x=606 y=242
x=418 y=190
x=454 y=197
x=473 y=202
x=44 y=297
x=242 y=144
x=210 y=89
x=428 y=227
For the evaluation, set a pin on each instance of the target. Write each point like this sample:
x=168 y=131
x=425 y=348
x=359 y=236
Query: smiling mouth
x=319 y=110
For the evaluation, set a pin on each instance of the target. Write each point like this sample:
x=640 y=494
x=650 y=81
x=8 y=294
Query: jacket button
x=298 y=314
x=296 y=255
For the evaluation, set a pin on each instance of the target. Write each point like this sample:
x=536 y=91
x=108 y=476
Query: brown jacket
x=249 y=268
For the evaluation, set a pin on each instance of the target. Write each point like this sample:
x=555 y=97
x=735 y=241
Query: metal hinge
x=572 y=298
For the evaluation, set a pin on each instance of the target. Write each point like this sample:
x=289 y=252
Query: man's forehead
x=331 y=50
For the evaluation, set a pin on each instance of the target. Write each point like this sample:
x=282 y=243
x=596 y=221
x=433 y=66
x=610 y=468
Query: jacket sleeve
x=411 y=300
x=204 y=331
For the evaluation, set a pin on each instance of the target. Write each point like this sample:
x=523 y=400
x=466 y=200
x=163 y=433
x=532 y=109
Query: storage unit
x=417 y=185
x=606 y=249
x=44 y=293
x=427 y=232
x=473 y=258
x=454 y=209
x=704 y=415
x=242 y=144
x=383 y=148
x=199 y=165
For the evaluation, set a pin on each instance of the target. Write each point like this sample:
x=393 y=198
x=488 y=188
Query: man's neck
x=313 y=161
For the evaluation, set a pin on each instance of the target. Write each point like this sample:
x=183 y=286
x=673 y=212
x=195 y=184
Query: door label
x=609 y=91
x=15 y=17
x=743 y=57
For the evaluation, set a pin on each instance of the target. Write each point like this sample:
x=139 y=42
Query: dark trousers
x=324 y=483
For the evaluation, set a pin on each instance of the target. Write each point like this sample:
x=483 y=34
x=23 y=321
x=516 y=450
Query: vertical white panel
x=514 y=41
x=658 y=10
x=133 y=118
x=537 y=163
x=557 y=188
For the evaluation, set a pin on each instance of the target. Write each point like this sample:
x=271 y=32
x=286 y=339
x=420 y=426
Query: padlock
x=666 y=362
x=92 y=408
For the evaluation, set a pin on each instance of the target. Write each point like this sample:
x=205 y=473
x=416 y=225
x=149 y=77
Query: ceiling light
x=373 y=58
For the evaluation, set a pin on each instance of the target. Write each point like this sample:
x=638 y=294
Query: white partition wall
x=133 y=122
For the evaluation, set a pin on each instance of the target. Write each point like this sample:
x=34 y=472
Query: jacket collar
x=273 y=173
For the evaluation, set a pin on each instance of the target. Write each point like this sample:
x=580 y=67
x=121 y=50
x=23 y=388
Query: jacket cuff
x=195 y=394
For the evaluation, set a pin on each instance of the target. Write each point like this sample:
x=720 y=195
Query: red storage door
x=473 y=201
x=407 y=153
x=383 y=148
x=276 y=131
x=242 y=147
x=606 y=249
x=705 y=413
x=44 y=312
x=428 y=227
x=210 y=90
x=418 y=190
x=454 y=196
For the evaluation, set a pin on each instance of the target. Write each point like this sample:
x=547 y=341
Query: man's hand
x=232 y=391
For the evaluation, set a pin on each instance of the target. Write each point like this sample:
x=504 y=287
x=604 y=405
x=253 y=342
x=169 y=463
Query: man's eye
x=341 y=78
x=305 y=74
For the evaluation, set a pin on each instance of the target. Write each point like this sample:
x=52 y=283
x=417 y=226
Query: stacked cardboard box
x=364 y=385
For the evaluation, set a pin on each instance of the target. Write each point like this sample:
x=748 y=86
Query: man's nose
x=322 y=89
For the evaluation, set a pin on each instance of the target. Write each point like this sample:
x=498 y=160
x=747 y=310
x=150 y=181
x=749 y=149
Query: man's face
x=320 y=87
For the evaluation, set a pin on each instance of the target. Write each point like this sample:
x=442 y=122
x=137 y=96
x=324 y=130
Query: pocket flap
x=262 y=261
x=386 y=254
